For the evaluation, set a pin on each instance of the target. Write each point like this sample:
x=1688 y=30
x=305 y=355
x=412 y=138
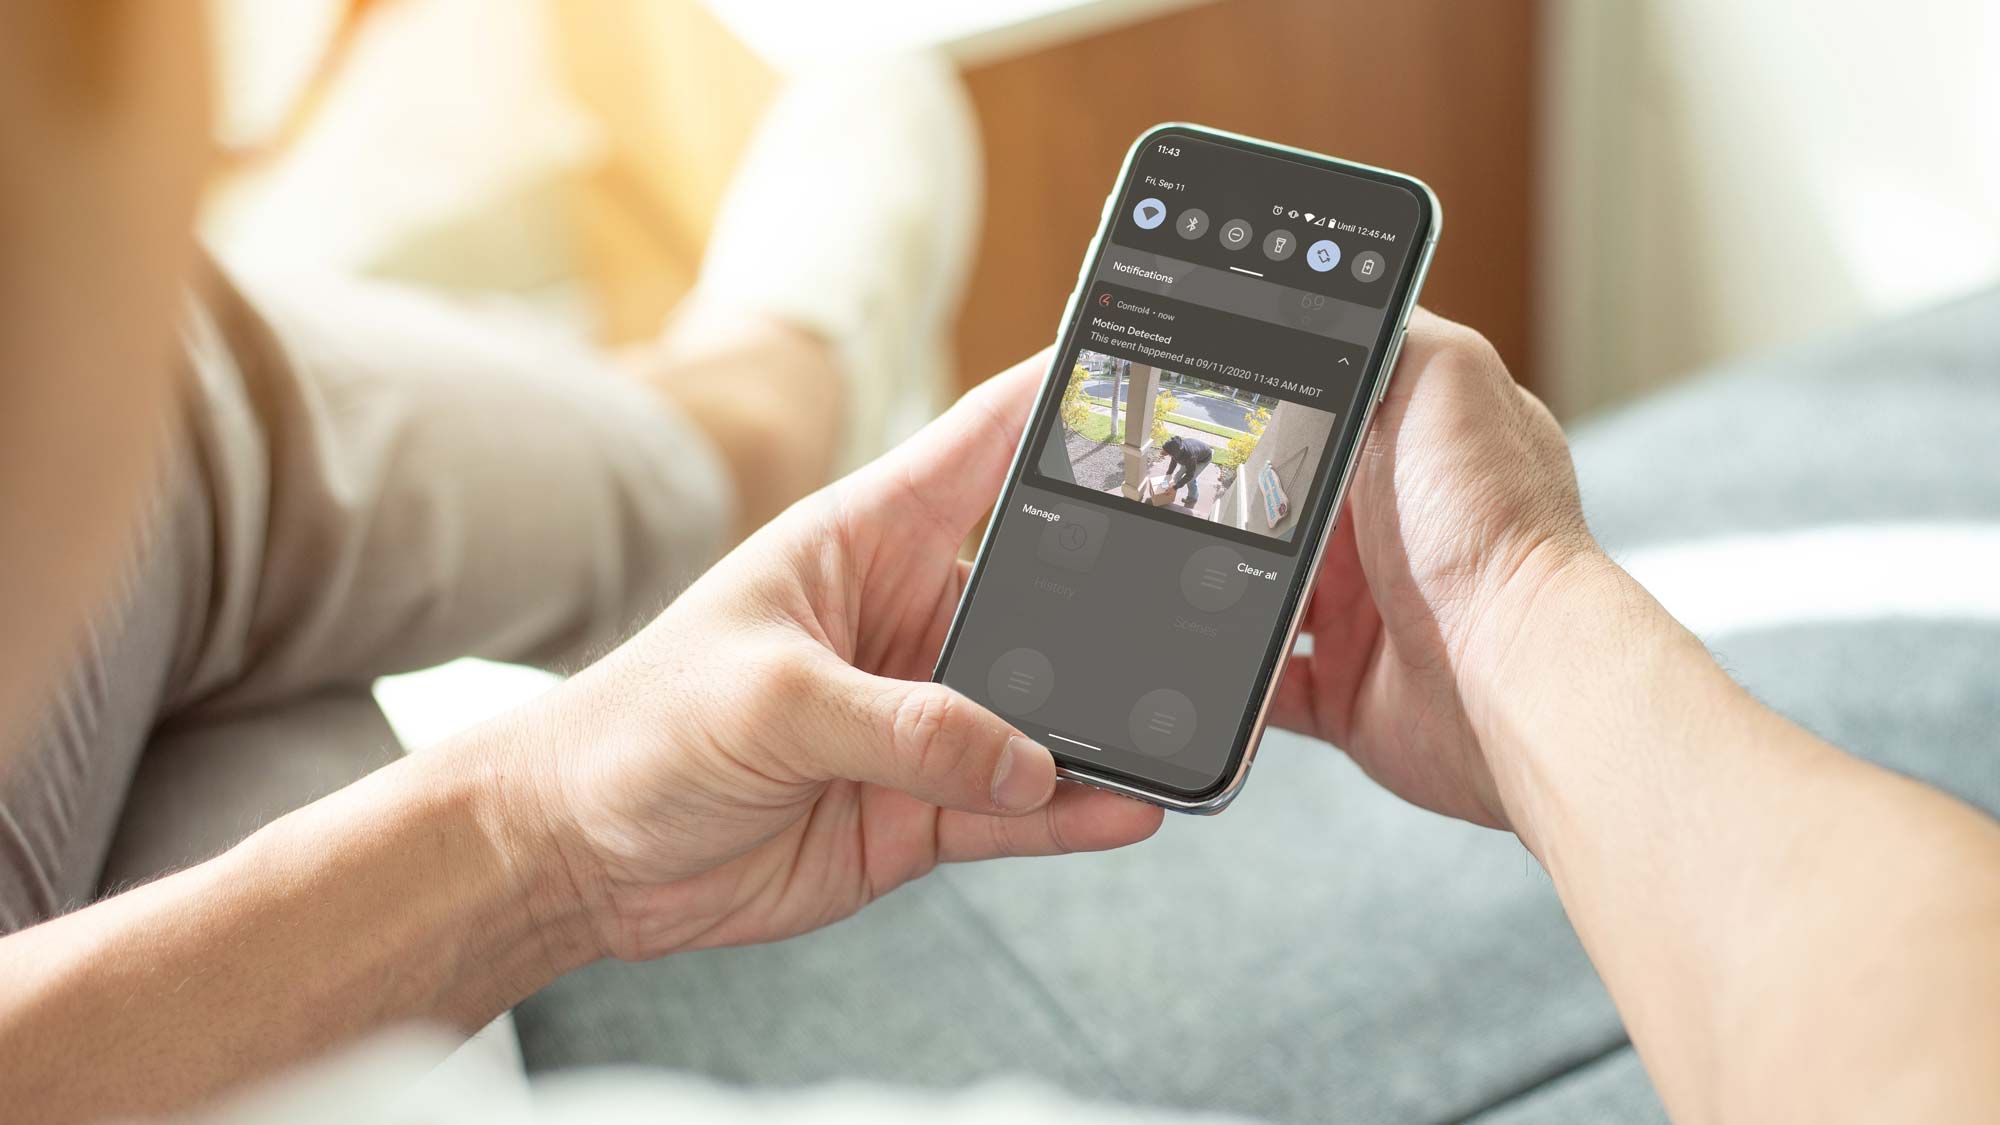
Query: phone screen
x=1149 y=551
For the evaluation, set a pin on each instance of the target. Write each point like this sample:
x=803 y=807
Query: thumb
x=928 y=741
x=949 y=473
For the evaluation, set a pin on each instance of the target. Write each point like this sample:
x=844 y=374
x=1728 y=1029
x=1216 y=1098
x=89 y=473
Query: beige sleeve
x=393 y=483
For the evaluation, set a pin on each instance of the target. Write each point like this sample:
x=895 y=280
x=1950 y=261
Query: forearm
x=1785 y=928
x=402 y=898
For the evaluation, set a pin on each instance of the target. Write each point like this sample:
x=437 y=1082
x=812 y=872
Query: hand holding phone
x=1142 y=579
x=1464 y=513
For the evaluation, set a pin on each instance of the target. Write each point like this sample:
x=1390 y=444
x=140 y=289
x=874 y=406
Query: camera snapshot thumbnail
x=1205 y=450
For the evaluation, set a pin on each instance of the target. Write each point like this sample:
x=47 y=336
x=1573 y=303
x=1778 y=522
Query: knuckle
x=789 y=687
x=1539 y=410
x=1001 y=841
x=929 y=731
x=783 y=701
x=787 y=683
x=1465 y=347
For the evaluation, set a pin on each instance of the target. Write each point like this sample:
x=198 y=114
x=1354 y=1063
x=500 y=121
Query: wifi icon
x=1309 y=216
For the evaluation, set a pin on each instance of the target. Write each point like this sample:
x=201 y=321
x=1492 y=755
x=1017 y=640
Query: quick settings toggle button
x=1214 y=578
x=1020 y=682
x=1161 y=723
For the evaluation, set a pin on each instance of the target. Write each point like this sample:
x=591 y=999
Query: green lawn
x=1098 y=428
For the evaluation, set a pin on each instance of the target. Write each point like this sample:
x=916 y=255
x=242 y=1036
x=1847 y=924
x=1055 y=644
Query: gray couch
x=1321 y=951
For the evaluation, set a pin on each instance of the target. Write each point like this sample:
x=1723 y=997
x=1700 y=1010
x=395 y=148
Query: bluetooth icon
x=1192 y=224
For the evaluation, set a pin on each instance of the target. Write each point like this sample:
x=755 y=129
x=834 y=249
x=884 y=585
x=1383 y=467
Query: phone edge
x=1221 y=799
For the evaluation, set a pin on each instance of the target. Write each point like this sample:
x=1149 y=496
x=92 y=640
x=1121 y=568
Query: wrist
x=411 y=887
x=1569 y=633
x=516 y=802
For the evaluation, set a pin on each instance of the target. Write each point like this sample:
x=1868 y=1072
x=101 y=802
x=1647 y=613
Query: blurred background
x=1633 y=188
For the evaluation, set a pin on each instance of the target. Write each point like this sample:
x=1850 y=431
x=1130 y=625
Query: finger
x=1426 y=329
x=1078 y=819
x=1342 y=622
x=1342 y=617
x=923 y=739
x=1292 y=707
x=950 y=471
x=1430 y=337
x=1424 y=320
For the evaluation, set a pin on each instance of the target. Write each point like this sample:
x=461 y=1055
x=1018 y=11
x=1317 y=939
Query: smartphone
x=1141 y=581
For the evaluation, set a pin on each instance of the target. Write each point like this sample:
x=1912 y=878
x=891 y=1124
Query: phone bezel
x=1321 y=520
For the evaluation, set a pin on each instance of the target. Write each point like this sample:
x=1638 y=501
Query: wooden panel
x=1442 y=89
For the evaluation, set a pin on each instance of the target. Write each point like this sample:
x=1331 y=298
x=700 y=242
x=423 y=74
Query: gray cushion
x=1322 y=950
x=1892 y=422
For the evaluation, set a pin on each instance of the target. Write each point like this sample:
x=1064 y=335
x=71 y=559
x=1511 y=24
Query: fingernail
x=1017 y=785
